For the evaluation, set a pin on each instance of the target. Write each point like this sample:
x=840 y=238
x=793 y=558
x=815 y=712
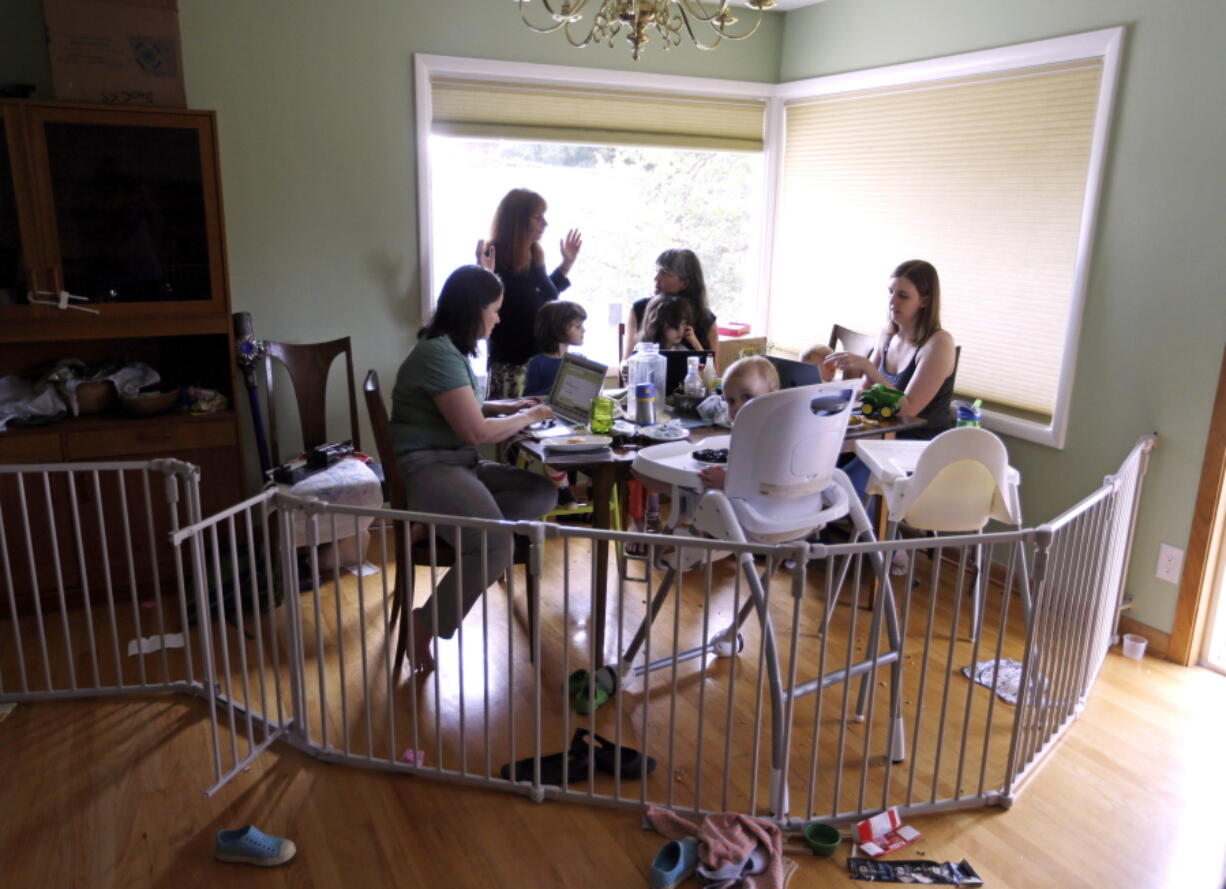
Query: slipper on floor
x=674 y=863
x=574 y=762
x=604 y=754
x=589 y=695
x=250 y=845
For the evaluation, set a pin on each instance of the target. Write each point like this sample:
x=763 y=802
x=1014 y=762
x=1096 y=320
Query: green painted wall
x=1155 y=319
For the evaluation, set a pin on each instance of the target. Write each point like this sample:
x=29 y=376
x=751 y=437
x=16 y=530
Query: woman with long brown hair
x=914 y=354
x=514 y=253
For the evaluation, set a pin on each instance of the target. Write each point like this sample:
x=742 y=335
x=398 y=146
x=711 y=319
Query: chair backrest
x=307 y=365
x=782 y=455
x=851 y=341
x=960 y=481
x=381 y=428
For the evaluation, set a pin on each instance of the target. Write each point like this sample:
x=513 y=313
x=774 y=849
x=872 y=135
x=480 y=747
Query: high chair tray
x=672 y=463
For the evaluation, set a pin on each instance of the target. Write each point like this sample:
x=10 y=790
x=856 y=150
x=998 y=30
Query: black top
x=513 y=340
x=639 y=307
x=937 y=413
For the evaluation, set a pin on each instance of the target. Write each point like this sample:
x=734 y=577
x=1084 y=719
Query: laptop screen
x=795 y=373
x=578 y=381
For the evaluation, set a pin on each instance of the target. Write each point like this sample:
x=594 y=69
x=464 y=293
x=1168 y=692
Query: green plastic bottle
x=602 y=415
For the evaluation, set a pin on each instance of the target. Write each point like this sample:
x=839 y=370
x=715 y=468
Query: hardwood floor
x=107 y=792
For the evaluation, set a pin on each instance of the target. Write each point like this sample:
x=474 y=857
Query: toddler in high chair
x=745 y=379
x=559 y=326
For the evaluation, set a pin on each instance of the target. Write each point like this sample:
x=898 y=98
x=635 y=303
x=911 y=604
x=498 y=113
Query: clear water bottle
x=646 y=365
x=693 y=385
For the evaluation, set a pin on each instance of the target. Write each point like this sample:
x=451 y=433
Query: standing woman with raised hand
x=514 y=252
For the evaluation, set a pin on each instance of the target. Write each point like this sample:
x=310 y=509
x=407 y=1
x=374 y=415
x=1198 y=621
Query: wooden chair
x=851 y=341
x=418 y=547
x=307 y=365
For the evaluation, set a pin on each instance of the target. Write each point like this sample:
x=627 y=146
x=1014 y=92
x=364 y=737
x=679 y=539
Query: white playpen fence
x=842 y=693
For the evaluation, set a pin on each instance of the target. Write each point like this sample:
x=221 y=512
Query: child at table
x=816 y=355
x=559 y=325
x=669 y=321
x=745 y=380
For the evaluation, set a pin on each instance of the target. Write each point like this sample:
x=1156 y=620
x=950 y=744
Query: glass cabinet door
x=14 y=281
x=132 y=215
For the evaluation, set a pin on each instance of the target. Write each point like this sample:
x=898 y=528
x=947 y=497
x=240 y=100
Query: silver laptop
x=578 y=381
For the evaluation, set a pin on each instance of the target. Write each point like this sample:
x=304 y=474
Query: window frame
x=1105 y=44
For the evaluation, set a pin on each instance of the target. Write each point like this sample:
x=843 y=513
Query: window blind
x=983 y=176
x=493 y=109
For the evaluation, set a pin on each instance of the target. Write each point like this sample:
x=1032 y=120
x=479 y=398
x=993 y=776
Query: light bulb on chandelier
x=670 y=20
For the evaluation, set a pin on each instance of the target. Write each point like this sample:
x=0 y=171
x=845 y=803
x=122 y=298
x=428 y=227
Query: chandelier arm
x=682 y=13
x=698 y=12
x=586 y=41
x=686 y=8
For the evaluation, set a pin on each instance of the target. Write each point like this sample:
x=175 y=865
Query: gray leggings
x=456 y=481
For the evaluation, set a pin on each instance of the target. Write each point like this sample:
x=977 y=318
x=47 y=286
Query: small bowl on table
x=148 y=404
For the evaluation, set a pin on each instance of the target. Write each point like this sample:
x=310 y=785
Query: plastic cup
x=822 y=838
x=1134 y=646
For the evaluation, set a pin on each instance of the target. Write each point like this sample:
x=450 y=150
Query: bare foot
x=422 y=656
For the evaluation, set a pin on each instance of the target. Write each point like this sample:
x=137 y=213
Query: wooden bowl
x=94 y=396
x=149 y=403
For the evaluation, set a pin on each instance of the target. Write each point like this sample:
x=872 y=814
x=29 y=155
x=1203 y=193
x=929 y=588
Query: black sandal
x=573 y=761
x=604 y=754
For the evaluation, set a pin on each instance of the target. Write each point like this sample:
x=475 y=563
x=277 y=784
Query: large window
x=799 y=198
x=630 y=202
x=638 y=163
x=986 y=165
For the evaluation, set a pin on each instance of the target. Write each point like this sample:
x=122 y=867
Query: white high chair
x=781 y=486
x=961 y=480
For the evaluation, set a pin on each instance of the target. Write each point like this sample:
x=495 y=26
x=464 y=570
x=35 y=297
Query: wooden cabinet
x=120 y=209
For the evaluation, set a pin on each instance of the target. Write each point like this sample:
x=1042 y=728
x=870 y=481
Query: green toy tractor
x=880 y=401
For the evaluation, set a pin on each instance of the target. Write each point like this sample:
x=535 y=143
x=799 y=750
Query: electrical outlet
x=1170 y=563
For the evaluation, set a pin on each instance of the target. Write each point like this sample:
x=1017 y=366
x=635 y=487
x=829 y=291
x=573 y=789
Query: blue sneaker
x=249 y=845
x=675 y=863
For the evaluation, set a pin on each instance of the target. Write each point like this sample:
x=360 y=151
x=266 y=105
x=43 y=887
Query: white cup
x=1134 y=646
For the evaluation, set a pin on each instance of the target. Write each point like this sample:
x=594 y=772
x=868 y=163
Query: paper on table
x=149 y=644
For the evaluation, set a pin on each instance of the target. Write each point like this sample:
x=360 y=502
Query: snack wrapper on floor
x=883 y=833
x=946 y=873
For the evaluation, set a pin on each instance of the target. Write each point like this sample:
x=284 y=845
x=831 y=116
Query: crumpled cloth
x=22 y=400
x=346 y=482
x=733 y=850
x=714 y=409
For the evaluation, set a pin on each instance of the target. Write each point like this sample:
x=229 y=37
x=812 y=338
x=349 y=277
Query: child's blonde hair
x=753 y=364
x=815 y=353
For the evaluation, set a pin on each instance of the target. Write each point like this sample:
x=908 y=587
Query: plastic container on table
x=646 y=365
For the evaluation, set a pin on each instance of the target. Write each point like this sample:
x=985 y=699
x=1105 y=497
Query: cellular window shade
x=984 y=177
x=488 y=109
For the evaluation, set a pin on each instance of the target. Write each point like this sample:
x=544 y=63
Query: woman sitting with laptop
x=438 y=420
x=678 y=273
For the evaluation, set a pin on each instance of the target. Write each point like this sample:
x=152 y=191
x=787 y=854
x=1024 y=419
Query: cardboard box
x=123 y=52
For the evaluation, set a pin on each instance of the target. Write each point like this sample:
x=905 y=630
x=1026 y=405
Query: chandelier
x=669 y=19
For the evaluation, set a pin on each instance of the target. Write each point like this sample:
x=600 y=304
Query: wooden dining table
x=610 y=466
